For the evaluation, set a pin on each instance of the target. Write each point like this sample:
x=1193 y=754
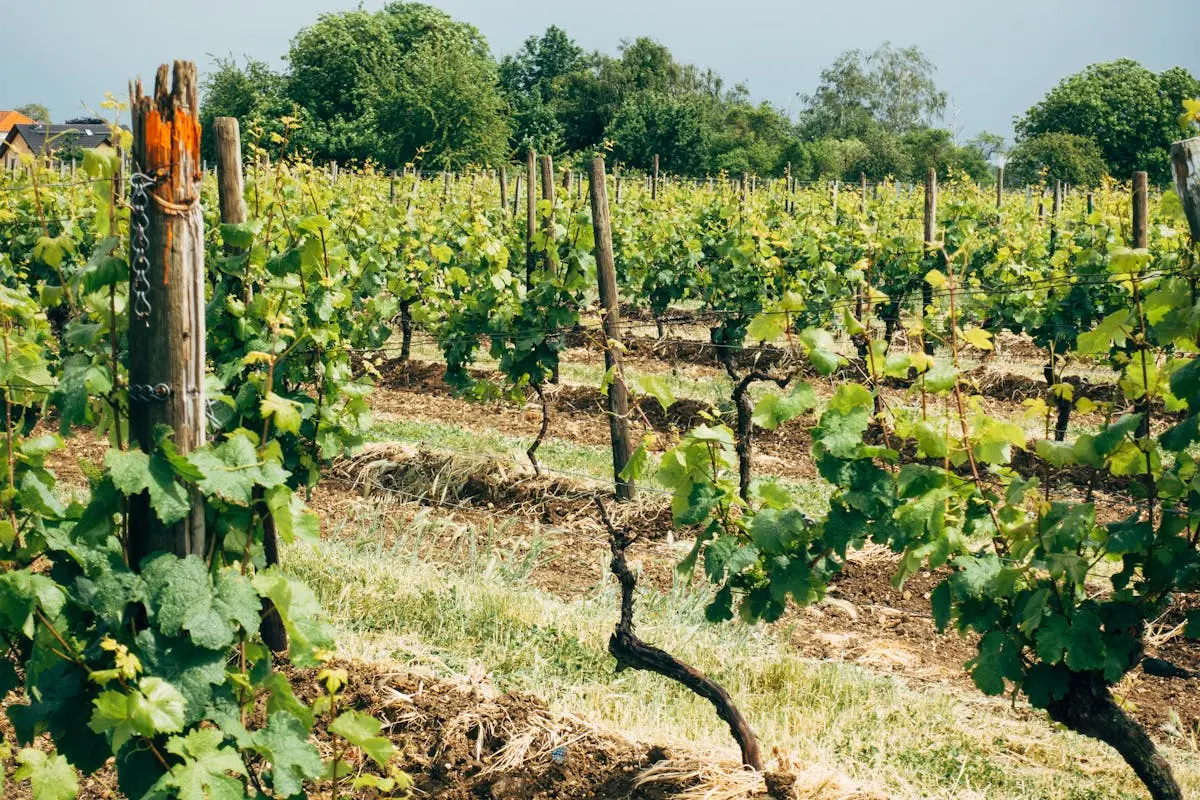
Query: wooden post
x=230 y=193
x=745 y=187
x=654 y=180
x=503 y=176
x=1055 y=207
x=836 y=184
x=930 y=246
x=1185 y=164
x=606 y=277
x=567 y=176
x=392 y=188
x=1141 y=211
x=1091 y=204
x=1000 y=186
x=530 y=214
x=862 y=184
x=445 y=183
x=620 y=183
x=547 y=162
x=516 y=195
x=166 y=328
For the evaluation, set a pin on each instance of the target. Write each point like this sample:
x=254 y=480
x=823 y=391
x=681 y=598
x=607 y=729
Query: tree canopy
x=411 y=82
x=1128 y=111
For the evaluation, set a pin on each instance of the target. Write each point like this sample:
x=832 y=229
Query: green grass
x=392 y=604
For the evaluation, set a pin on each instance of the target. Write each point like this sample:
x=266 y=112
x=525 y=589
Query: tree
x=532 y=80
x=35 y=111
x=651 y=123
x=1128 y=110
x=889 y=86
x=350 y=68
x=1066 y=157
x=446 y=100
x=934 y=147
x=988 y=145
x=252 y=93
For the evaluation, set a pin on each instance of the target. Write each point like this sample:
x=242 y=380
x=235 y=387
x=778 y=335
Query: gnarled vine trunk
x=1088 y=708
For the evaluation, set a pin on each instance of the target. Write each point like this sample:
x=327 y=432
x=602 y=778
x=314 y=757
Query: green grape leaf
x=283 y=412
x=204 y=773
x=772 y=409
x=999 y=658
x=50 y=775
x=153 y=707
x=284 y=744
x=300 y=612
x=293 y=519
x=362 y=731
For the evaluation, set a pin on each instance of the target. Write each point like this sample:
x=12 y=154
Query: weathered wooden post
x=166 y=329
x=654 y=181
x=547 y=163
x=606 y=277
x=1141 y=210
x=930 y=247
x=516 y=200
x=392 y=188
x=530 y=214
x=862 y=186
x=503 y=177
x=1000 y=187
x=1055 y=208
x=231 y=196
x=230 y=193
x=1185 y=164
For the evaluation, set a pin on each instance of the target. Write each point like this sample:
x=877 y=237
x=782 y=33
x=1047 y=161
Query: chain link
x=139 y=183
x=145 y=393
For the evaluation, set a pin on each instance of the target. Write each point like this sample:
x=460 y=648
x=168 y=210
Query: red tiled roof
x=10 y=118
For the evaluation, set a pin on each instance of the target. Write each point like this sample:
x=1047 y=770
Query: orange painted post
x=166 y=326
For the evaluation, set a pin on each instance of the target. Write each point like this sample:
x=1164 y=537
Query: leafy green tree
x=651 y=123
x=35 y=111
x=532 y=80
x=446 y=100
x=352 y=68
x=1128 y=110
x=891 y=86
x=1058 y=156
x=750 y=138
x=252 y=93
x=934 y=147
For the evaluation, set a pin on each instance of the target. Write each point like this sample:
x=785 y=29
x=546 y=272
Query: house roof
x=10 y=118
x=61 y=136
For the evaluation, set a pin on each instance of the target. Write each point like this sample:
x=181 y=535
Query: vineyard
x=317 y=480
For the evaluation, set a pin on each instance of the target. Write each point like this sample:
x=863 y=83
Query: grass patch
x=482 y=614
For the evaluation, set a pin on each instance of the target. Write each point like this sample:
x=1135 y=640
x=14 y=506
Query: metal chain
x=145 y=393
x=139 y=221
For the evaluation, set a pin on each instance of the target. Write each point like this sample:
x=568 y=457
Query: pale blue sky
x=995 y=59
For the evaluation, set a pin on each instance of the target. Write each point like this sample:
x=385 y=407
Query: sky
x=995 y=60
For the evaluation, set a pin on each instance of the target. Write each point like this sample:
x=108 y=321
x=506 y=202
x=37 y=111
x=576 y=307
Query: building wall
x=13 y=152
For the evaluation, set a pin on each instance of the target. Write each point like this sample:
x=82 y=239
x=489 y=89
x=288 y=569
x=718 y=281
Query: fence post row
x=167 y=327
x=606 y=278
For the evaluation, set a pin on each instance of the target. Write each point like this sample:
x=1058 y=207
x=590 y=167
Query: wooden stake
x=230 y=192
x=530 y=214
x=1141 y=211
x=503 y=176
x=654 y=181
x=836 y=185
x=548 y=195
x=1055 y=207
x=166 y=330
x=606 y=277
x=392 y=188
x=930 y=246
x=862 y=186
x=1000 y=186
x=1185 y=164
